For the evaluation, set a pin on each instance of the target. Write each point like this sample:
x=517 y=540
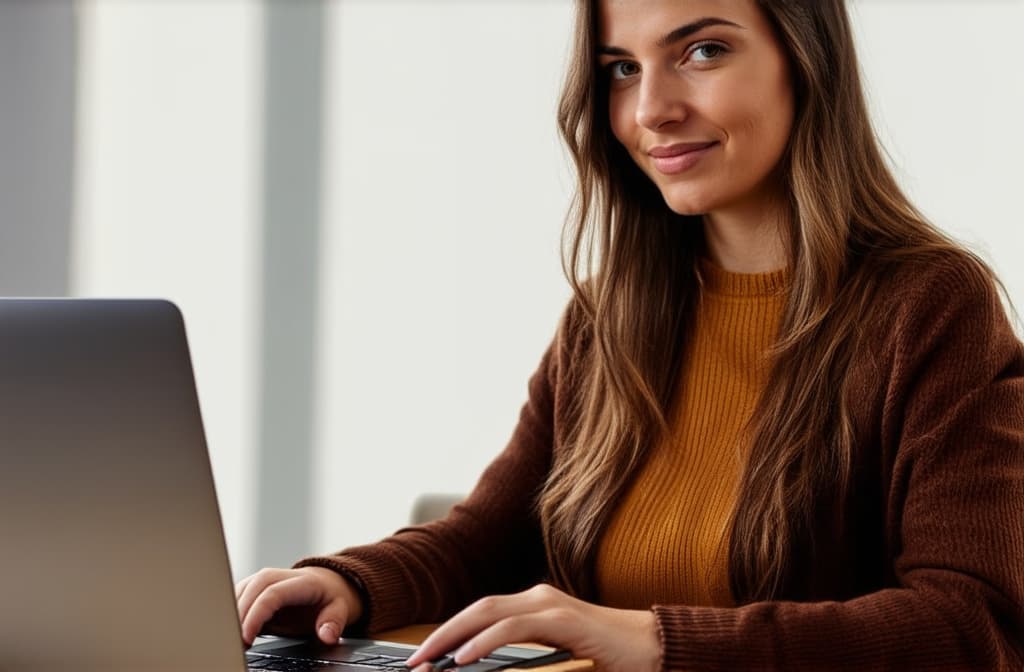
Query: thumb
x=329 y=622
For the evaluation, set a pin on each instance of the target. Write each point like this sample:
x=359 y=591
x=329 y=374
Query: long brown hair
x=632 y=265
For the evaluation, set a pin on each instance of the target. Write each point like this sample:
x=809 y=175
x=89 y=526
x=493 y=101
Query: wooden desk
x=414 y=634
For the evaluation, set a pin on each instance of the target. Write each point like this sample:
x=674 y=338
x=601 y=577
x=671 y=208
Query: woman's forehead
x=630 y=20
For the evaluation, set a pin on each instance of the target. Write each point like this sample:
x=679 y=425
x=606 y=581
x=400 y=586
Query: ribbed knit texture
x=667 y=541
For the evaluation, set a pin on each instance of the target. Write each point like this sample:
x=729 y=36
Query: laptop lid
x=112 y=555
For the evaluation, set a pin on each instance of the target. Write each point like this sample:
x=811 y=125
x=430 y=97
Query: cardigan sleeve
x=491 y=543
x=954 y=514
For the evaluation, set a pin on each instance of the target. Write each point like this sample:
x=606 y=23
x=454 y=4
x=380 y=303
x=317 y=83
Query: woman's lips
x=674 y=159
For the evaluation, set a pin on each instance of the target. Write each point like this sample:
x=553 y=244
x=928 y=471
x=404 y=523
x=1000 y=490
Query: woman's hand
x=617 y=640
x=296 y=602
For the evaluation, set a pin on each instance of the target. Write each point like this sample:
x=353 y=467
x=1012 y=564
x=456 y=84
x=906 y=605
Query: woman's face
x=700 y=96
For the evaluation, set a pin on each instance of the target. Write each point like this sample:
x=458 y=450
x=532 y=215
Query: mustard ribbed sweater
x=667 y=542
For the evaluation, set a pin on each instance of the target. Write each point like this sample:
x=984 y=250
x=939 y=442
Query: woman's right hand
x=297 y=602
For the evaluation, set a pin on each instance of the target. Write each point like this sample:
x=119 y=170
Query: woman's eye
x=706 y=52
x=623 y=69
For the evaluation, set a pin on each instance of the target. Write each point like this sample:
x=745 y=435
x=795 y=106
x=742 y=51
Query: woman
x=782 y=422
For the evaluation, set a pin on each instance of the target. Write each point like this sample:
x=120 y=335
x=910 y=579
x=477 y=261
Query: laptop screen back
x=111 y=550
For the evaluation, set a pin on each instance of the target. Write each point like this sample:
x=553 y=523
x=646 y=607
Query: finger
x=240 y=587
x=328 y=631
x=482 y=614
x=294 y=591
x=329 y=621
x=455 y=630
x=468 y=622
x=255 y=585
x=560 y=623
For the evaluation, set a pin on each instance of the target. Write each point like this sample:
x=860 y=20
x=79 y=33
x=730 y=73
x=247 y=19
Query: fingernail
x=329 y=631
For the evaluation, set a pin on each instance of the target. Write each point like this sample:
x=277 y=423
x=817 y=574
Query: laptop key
x=257 y=662
x=389 y=661
x=378 y=662
x=281 y=665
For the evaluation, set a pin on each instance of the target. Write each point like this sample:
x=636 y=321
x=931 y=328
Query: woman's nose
x=660 y=101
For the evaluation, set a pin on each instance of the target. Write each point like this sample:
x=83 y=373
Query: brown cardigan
x=928 y=573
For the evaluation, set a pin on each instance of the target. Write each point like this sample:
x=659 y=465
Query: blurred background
x=357 y=206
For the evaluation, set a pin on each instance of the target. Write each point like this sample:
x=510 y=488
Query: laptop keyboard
x=356 y=661
x=260 y=662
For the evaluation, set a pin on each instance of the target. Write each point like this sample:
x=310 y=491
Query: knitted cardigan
x=926 y=573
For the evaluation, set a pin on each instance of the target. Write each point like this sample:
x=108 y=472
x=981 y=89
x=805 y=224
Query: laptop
x=112 y=555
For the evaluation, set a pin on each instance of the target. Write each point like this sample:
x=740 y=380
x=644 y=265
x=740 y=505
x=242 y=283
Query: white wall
x=445 y=190
x=947 y=91
x=167 y=178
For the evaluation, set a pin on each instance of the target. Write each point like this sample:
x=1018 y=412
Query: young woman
x=781 y=425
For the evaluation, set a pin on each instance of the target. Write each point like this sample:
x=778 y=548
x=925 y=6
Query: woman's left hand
x=617 y=640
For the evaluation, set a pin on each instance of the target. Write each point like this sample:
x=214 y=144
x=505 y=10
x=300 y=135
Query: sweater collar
x=717 y=280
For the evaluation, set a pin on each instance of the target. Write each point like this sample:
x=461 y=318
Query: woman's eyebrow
x=680 y=33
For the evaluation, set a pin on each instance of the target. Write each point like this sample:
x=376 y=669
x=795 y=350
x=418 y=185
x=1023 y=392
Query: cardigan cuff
x=377 y=586
x=705 y=638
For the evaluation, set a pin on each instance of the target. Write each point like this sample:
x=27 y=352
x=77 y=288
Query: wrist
x=649 y=641
x=354 y=598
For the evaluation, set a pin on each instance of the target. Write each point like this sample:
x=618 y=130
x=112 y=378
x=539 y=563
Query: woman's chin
x=685 y=206
x=686 y=199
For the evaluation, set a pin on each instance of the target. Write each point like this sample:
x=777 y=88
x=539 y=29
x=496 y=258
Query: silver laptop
x=112 y=555
x=111 y=550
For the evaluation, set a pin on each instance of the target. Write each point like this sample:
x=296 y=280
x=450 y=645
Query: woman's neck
x=746 y=239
